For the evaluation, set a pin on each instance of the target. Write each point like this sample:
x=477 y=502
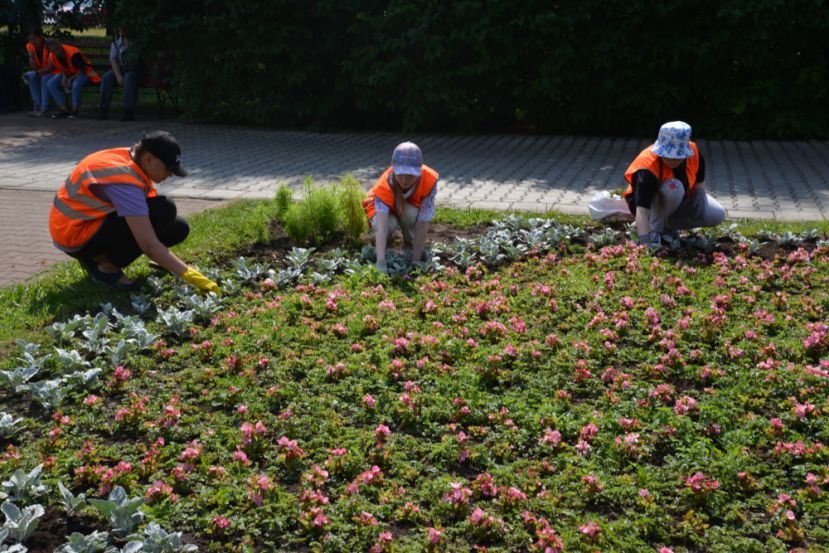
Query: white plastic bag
x=603 y=205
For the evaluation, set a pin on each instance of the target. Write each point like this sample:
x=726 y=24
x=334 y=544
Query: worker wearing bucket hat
x=665 y=186
x=404 y=196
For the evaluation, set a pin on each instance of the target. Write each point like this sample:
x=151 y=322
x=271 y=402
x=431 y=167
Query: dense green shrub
x=283 y=200
x=731 y=68
x=316 y=217
x=323 y=211
x=352 y=213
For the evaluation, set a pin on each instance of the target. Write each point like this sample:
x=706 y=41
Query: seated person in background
x=39 y=71
x=125 y=73
x=665 y=190
x=404 y=197
x=108 y=213
x=75 y=71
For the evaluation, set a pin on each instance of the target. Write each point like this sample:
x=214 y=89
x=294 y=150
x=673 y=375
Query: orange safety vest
x=40 y=61
x=76 y=212
x=652 y=162
x=383 y=191
x=69 y=67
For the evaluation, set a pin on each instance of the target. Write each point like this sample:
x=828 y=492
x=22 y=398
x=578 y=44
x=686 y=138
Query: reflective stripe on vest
x=650 y=161
x=76 y=212
x=382 y=190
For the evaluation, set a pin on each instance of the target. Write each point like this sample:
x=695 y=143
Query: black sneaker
x=62 y=114
x=103 y=115
x=74 y=114
x=129 y=115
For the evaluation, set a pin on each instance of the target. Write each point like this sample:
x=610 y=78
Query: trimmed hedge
x=734 y=69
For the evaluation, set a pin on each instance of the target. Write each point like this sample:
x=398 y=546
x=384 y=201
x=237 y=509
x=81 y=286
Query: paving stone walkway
x=760 y=179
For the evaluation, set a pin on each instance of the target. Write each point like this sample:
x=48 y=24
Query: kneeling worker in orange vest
x=665 y=190
x=107 y=213
x=404 y=197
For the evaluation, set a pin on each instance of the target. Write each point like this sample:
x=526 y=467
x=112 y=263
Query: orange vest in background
x=650 y=161
x=76 y=212
x=69 y=67
x=383 y=191
x=41 y=60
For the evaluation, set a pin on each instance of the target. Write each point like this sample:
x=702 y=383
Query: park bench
x=157 y=79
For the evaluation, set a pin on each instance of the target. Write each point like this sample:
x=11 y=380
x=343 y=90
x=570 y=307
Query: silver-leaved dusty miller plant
x=9 y=425
x=23 y=486
x=122 y=512
x=21 y=523
x=157 y=540
x=14 y=548
x=96 y=542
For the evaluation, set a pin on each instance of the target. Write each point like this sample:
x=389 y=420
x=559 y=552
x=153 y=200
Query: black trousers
x=115 y=240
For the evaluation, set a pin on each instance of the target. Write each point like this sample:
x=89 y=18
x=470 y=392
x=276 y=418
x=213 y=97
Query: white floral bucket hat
x=672 y=141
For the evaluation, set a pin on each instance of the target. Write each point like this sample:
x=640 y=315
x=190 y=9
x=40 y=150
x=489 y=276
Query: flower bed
x=576 y=393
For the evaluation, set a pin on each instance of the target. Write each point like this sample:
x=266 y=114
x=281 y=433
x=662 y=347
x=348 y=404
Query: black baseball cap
x=164 y=146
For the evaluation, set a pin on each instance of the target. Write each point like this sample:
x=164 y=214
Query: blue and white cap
x=407 y=159
x=672 y=141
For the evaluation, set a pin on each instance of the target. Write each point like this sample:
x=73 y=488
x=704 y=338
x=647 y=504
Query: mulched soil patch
x=55 y=526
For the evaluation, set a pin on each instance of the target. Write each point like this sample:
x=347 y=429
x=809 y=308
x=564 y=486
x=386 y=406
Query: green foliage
x=283 y=200
x=325 y=210
x=352 y=213
x=585 y=67
x=316 y=217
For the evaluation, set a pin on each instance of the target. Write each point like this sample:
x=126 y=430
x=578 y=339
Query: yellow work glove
x=192 y=276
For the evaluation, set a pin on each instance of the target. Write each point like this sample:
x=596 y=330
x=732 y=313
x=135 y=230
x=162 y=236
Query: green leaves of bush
x=323 y=211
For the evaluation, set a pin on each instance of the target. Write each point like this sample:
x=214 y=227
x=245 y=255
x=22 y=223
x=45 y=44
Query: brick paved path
x=768 y=180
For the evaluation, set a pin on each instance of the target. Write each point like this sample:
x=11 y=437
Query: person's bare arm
x=381 y=222
x=146 y=238
x=421 y=230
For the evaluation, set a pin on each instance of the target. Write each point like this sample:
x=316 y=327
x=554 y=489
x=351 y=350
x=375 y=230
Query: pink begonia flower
x=191 y=452
x=458 y=495
x=701 y=483
x=290 y=448
x=592 y=483
x=485 y=484
x=369 y=401
x=666 y=550
x=591 y=529
x=435 y=535
x=90 y=400
x=221 y=522
x=381 y=434
x=644 y=493
x=588 y=432
x=367 y=519
x=551 y=437
x=685 y=405
x=241 y=457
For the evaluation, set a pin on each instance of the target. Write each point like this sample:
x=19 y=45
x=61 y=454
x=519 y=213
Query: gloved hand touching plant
x=192 y=276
